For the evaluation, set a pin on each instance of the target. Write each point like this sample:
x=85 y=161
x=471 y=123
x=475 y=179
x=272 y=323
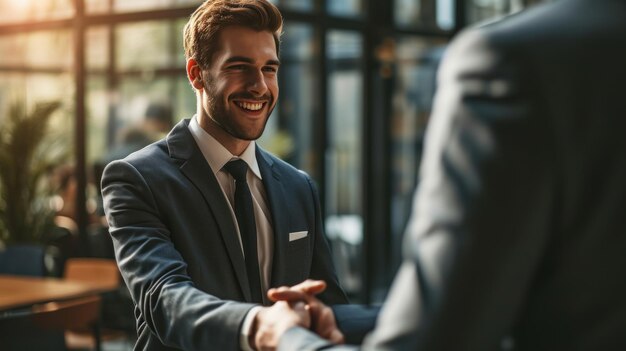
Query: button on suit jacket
x=518 y=235
x=178 y=249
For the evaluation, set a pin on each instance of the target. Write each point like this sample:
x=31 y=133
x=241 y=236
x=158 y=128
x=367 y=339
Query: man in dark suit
x=204 y=221
x=518 y=236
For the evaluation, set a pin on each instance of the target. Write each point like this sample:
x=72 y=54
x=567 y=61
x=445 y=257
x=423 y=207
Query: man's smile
x=250 y=106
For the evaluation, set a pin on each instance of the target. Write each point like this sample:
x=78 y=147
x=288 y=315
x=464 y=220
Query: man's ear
x=194 y=74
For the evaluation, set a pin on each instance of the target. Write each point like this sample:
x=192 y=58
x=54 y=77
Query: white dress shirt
x=217 y=156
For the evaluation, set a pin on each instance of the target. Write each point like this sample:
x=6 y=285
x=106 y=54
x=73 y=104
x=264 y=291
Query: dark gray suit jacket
x=518 y=235
x=177 y=247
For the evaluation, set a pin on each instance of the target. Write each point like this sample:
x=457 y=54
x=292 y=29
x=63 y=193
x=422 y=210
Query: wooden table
x=21 y=291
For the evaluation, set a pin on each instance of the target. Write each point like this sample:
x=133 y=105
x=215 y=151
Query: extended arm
x=173 y=308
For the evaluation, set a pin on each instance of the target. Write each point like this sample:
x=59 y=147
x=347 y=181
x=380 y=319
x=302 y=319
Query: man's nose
x=256 y=83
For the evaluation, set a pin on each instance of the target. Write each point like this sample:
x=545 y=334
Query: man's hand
x=322 y=318
x=270 y=323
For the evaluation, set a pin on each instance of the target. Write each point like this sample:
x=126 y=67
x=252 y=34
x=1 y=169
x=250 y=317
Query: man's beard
x=219 y=115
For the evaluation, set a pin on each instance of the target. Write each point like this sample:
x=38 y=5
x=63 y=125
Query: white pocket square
x=298 y=235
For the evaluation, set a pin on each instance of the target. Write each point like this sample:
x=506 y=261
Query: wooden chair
x=90 y=270
x=68 y=315
x=42 y=327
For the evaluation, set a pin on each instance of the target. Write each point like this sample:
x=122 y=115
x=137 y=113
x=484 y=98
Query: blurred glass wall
x=357 y=81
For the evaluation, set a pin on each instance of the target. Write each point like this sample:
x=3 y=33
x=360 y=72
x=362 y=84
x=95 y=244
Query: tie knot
x=238 y=169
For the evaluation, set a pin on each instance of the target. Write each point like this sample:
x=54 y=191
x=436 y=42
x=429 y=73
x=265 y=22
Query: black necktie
x=247 y=225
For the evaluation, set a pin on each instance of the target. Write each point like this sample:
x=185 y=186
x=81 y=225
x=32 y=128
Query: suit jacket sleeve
x=481 y=216
x=178 y=313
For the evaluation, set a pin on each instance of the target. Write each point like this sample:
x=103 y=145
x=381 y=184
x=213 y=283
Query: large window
x=117 y=6
x=19 y=11
x=356 y=81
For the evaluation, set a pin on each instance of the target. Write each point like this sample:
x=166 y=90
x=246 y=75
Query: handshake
x=294 y=306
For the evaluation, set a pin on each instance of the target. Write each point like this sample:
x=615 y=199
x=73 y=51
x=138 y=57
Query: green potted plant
x=26 y=214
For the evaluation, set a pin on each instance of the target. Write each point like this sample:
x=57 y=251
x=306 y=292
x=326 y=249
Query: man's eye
x=270 y=69
x=237 y=67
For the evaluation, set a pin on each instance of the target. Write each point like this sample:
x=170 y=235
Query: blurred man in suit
x=204 y=222
x=518 y=235
x=156 y=123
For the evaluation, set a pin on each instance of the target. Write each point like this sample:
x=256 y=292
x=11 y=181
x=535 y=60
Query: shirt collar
x=216 y=154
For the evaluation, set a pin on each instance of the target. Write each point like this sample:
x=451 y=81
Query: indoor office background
x=356 y=81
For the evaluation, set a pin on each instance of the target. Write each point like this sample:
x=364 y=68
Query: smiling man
x=204 y=222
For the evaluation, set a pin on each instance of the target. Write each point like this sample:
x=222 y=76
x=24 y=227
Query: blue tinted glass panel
x=344 y=154
x=346 y=8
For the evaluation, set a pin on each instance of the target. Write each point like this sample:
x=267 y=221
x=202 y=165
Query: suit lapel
x=182 y=145
x=276 y=197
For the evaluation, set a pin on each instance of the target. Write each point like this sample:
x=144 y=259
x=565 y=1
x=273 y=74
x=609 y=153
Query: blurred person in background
x=156 y=123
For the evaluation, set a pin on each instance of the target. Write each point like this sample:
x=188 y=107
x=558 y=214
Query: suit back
x=518 y=235
x=577 y=64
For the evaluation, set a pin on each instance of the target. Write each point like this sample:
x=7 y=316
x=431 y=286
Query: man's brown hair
x=202 y=30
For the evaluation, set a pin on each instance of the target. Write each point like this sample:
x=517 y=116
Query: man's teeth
x=250 y=106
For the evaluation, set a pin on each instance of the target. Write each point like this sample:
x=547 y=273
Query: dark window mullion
x=80 y=143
